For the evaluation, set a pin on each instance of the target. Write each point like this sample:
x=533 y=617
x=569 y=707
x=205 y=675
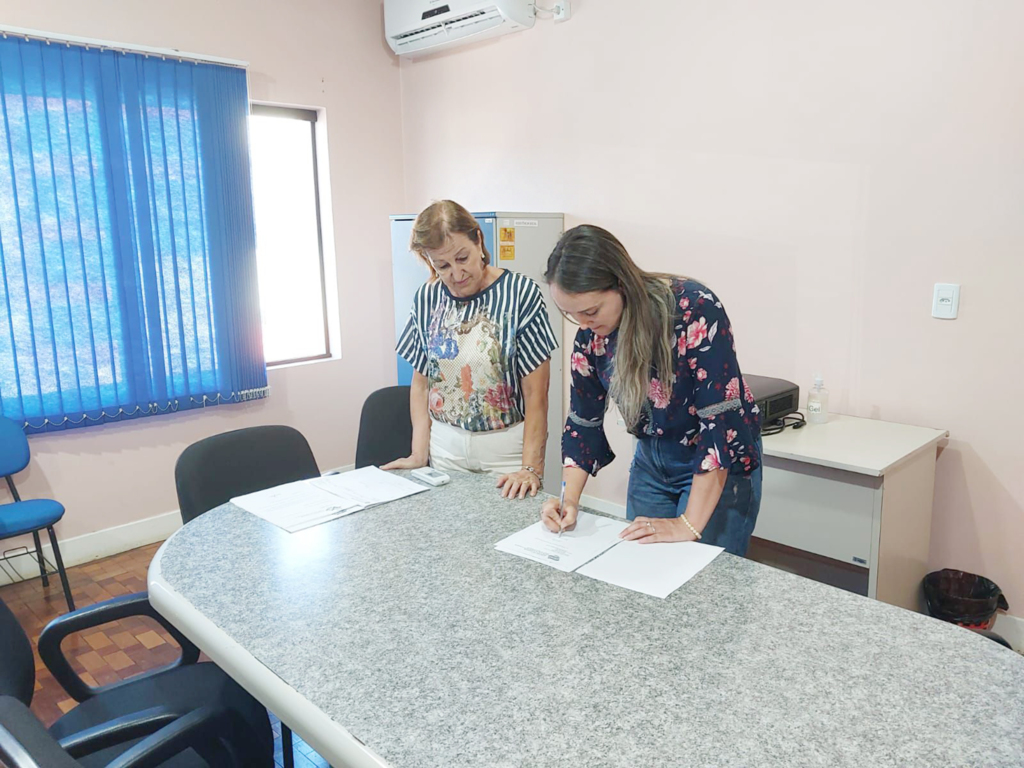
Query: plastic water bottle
x=817 y=402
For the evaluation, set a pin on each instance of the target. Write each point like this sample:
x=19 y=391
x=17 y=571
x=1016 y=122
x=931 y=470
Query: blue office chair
x=21 y=517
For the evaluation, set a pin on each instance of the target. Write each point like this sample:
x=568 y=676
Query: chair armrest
x=93 y=616
x=25 y=743
x=117 y=731
x=198 y=730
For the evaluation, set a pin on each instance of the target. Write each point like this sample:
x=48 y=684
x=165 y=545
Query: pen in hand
x=561 y=509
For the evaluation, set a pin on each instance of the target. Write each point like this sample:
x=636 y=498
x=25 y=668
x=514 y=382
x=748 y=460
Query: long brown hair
x=439 y=221
x=589 y=258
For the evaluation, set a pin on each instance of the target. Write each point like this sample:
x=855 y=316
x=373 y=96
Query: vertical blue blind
x=127 y=243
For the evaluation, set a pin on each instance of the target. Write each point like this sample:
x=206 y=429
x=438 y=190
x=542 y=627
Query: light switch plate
x=946 y=301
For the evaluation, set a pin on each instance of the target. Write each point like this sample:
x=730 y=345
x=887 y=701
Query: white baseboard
x=601 y=505
x=1012 y=628
x=95 y=545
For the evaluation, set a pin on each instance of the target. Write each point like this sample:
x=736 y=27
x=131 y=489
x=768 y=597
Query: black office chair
x=385 y=428
x=33 y=515
x=215 y=470
x=994 y=637
x=182 y=715
x=25 y=743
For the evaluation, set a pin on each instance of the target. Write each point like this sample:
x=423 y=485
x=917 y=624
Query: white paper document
x=295 y=506
x=654 y=569
x=305 y=503
x=368 y=486
x=591 y=536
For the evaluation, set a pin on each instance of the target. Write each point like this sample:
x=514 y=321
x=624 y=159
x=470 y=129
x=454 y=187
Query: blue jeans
x=659 y=486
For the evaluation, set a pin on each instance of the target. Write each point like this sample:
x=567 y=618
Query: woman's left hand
x=651 y=530
x=518 y=484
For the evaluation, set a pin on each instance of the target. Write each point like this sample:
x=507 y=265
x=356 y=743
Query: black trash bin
x=963 y=598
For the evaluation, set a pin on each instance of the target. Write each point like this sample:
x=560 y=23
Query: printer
x=776 y=398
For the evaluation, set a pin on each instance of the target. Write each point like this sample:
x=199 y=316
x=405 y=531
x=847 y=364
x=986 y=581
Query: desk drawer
x=825 y=511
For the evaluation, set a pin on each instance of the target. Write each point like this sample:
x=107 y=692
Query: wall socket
x=946 y=301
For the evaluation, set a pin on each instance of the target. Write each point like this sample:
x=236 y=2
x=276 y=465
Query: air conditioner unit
x=426 y=26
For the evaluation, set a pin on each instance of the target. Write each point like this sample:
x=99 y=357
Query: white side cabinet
x=858 y=491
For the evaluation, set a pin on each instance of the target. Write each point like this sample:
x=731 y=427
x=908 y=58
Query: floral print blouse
x=708 y=407
x=475 y=351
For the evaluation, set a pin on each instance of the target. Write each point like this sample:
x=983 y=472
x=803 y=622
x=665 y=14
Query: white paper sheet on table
x=305 y=503
x=296 y=506
x=368 y=486
x=591 y=536
x=654 y=569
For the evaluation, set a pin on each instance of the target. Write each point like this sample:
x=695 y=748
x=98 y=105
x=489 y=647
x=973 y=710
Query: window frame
x=310 y=116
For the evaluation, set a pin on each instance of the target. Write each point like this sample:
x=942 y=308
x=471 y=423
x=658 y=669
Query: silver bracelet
x=536 y=474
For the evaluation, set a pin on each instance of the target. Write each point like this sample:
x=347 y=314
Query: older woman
x=480 y=343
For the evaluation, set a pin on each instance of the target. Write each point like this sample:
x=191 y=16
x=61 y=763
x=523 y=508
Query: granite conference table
x=399 y=636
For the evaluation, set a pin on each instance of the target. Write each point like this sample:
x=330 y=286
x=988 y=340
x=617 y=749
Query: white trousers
x=453 y=449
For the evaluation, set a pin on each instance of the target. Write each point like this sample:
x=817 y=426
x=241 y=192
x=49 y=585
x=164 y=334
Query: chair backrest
x=13 y=447
x=17 y=667
x=385 y=428
x=215 y=470
x=25 y=743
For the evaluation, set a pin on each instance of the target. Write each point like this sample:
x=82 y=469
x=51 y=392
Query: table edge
x=331 y=740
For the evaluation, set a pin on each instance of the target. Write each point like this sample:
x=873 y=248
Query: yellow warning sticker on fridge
x=507 y=234
x=508 y=253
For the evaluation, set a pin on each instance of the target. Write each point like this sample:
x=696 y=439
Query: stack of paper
x=303 y=504
x=368 y=486
x=295 y=506
x=593 y=548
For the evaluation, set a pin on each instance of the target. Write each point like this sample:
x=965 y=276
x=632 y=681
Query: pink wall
x=820 y=165
x=820 y=169
x=303 y=52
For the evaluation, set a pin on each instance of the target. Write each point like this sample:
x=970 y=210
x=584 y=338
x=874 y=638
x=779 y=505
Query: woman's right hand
x=409 y=462
x=559 y=519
